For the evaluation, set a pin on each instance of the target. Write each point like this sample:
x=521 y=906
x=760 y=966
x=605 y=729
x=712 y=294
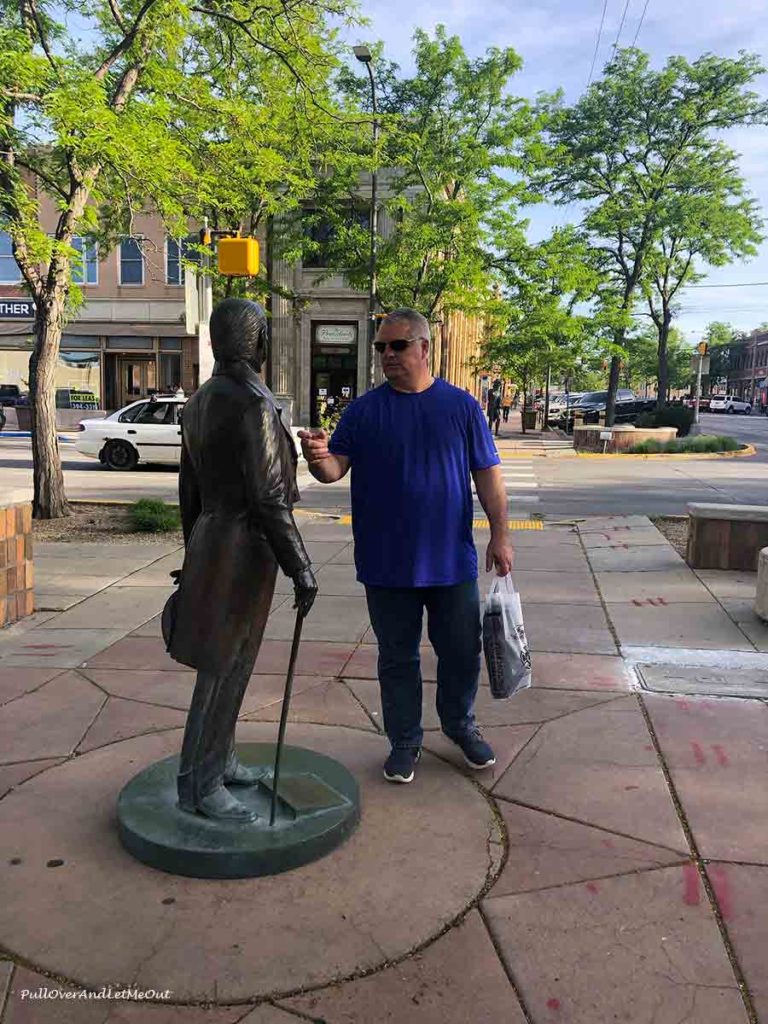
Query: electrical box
x=238 y=257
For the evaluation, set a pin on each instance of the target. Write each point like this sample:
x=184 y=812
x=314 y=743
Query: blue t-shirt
x=411 y=456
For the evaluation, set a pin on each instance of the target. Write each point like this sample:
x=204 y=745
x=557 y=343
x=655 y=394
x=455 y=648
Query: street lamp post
x=363 y=54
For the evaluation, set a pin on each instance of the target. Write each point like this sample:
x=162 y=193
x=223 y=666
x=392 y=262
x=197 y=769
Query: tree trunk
x=613 y=385
x=49 y=500
x=663 y=329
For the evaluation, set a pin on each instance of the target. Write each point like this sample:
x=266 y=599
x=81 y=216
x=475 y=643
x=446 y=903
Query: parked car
x=560 y=403
x=12 y=395
x=690 y=402
x=729 y=403
x=593 y=403
x=145 y=431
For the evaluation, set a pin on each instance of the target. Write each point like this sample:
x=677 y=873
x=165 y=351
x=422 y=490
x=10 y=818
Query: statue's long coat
x=237 y=487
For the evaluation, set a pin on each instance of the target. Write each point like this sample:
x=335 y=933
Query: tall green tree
x=184 y=108
x=535 y=330
x=638 y=137
x=641 y=365
x=722 y=339
x=450 y=156
x=706 y=219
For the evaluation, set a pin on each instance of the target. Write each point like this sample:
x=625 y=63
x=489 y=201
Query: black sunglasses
x=398 y=345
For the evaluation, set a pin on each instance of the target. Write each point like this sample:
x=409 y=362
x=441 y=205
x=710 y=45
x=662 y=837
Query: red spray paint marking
x=608 y=843
x=649 y=746
x=553 y=1004
x=683 y=704
x=720 y=754
x=722 y=886
x=591 y=887
x=46 y=647
x=691 y=884
x=698 y=753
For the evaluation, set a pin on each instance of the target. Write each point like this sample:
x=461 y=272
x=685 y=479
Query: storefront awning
x=110 y=330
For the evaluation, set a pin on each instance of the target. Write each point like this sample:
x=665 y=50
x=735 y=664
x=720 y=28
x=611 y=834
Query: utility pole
x=701 y=351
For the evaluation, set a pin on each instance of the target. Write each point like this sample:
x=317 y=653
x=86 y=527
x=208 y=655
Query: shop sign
x=17 y=309
x=336 y=334
x=322 y=392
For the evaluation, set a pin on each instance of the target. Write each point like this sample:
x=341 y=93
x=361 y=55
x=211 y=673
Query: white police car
x=145 y=431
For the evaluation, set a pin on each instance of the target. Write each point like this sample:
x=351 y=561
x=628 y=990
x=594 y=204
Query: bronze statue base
x=318 y=807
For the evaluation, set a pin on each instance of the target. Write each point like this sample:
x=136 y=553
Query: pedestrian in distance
x=494 y=411
x=412 y=445
x=506 y=405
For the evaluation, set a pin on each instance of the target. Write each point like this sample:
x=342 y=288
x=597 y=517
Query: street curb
x=117 y=503
x=747 y=450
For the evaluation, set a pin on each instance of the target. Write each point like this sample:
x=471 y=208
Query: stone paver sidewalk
x=613 y=866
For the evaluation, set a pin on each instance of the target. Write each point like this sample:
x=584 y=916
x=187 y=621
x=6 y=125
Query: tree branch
x=126 y=42
x=119 y=20
x=29 y=10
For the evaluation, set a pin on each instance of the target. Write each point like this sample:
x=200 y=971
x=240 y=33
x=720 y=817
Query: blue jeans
x=453 y=626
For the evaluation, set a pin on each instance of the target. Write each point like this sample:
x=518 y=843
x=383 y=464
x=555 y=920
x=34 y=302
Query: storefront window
x=77 y=371
x=170 y=372
x=14 y=368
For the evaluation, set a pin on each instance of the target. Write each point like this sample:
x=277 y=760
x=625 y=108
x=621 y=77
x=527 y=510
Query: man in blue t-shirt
x=413 y=444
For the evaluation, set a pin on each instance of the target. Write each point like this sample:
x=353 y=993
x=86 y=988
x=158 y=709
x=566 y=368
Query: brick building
x=748 y=368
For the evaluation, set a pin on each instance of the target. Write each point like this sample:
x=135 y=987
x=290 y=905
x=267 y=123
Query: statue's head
x=239 y=331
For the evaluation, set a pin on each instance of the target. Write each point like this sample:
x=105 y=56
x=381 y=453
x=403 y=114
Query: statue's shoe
x=220 y=805
x=242 y=775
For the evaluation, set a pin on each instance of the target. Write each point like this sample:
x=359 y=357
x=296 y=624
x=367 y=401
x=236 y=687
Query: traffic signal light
x=238 y=257
x=702 y=348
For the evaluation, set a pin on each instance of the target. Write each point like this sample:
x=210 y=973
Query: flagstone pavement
x=612 y=865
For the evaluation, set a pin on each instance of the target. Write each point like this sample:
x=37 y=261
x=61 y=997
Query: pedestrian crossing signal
x=238 y=257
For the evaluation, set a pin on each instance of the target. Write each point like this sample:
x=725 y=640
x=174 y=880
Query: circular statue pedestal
x=318 y=807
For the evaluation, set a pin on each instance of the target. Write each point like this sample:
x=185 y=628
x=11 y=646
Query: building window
x=130 y=344
x=131 y=262
x=86 y=269
x=170 y=372
x=9 y=269
x=323 y=235
x=177 y=250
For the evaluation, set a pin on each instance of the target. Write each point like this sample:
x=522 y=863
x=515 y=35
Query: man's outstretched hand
x=314 y=445
x=305 y=590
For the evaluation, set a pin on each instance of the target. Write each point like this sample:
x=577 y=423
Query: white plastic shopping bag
x=504 y=642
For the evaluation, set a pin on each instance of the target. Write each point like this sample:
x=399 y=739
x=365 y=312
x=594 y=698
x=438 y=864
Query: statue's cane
x=284 y=714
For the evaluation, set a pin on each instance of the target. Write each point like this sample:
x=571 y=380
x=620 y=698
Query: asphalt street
x=553 y=486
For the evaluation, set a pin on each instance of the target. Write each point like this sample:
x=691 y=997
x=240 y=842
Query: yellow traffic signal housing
x=239 y=257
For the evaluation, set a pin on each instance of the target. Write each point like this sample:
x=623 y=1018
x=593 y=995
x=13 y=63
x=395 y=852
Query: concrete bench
x=726 y=536
x=761 y=597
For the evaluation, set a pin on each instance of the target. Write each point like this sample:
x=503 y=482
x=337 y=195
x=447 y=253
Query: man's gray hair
x=418 y=323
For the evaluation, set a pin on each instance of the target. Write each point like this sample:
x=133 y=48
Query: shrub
x=150 y=516
x=700 y=443
x=649 y=447
x=678 y=416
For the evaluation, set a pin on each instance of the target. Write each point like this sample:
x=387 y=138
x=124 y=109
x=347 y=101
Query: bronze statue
x=237 y=488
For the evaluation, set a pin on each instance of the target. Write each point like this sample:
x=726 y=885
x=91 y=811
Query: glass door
x=137 y=378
